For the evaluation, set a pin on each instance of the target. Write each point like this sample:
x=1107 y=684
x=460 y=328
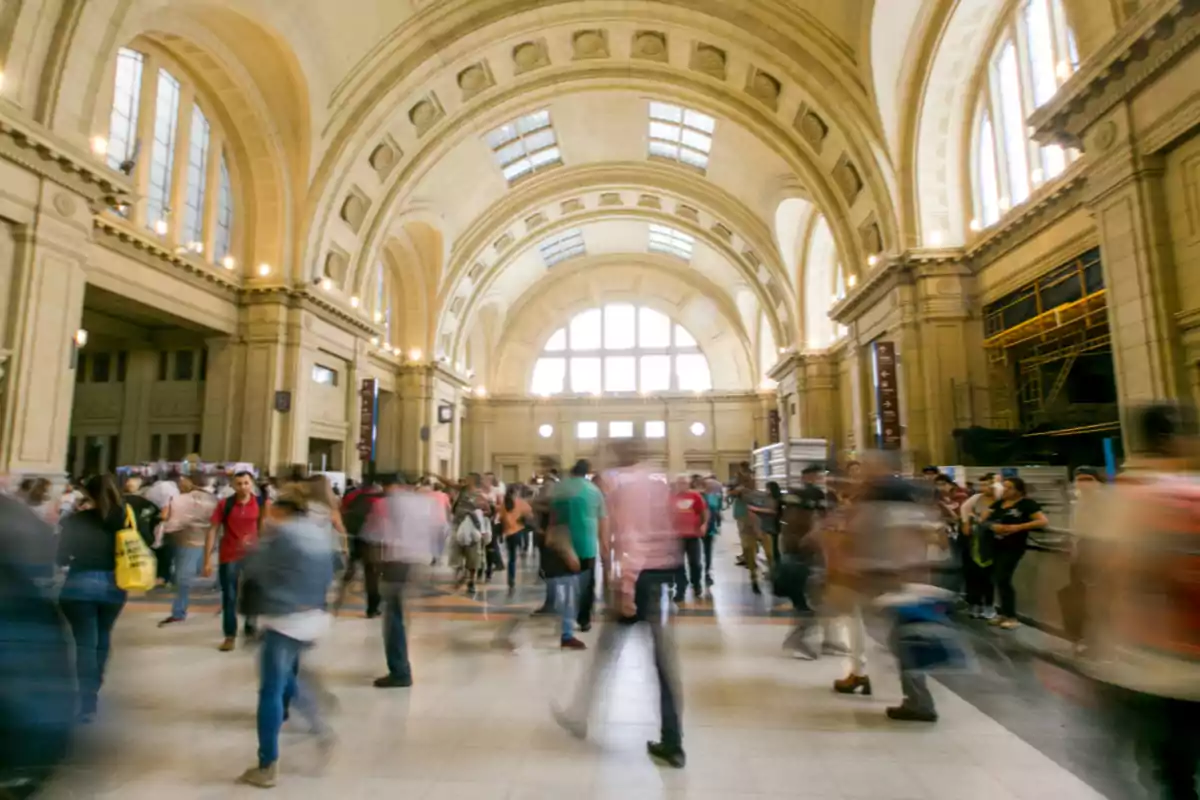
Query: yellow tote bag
x=136 y=567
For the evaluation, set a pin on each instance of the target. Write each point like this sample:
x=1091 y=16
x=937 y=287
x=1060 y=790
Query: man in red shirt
x=689 y=514
x=239 y=515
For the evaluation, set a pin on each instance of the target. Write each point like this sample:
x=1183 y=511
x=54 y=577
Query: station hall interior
x=532 y=228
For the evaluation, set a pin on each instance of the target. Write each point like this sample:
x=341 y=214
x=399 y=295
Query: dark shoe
x=544 y=611
x=262 y=777
x=708 y=581
x=853 y=683
x=754 y=587
x=584 y=627
x=470 y=588
x=170 y=621
x=680 y=597
x=672 y=756
x=572 y=644
x=904 y=713
x=392 y=682
x=228 y=645
x=372 y=614
x=741 y=562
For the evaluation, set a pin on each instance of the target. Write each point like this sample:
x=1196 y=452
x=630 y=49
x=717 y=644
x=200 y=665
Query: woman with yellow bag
x=90 y=599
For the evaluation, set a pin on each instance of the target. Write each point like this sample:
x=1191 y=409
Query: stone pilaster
x=141 y=374
x=217 y=425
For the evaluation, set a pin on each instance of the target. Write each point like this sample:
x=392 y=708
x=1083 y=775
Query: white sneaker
x=989 y=613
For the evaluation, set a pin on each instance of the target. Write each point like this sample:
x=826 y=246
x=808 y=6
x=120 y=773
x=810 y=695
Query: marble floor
x=177 y=719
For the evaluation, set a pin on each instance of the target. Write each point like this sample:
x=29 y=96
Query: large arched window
x=161 y=132
x=620 y=349
x=1034 y=56
x=381 y=292
x=824 y=285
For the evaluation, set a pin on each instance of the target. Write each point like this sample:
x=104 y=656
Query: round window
x=546 y=431
x=698 y=429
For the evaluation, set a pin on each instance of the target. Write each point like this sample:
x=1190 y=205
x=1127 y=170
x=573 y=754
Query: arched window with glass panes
x=1033 y=57
x=162 y=133
x=620 y=349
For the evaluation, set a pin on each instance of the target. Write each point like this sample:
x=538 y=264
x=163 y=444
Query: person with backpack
x=239 y=517
x=357 y=508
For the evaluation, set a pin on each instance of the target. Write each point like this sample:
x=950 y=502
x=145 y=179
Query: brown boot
x=853 y=683
x=227 y=645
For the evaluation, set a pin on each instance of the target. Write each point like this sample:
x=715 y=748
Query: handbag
x=135 y=566
x=983 y=544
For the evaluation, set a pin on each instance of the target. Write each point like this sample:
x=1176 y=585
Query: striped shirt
x=643 y=536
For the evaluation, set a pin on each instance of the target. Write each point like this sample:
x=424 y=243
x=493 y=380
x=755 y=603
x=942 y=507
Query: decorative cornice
x=1159 y=34
x=615 y=400
x=47 y=155
x=1051 y=203
x=123 y=238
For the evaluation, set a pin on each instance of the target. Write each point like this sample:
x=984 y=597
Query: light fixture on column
x=196 y=247
x=415 y=354
x=1004 y=203
x=228 y=262
x=354 y=301
x=976 y=225
x=160 y=227
x=378 y=316
x=80 y=338
x=873 y=260
x=99 y=145
x=327 y=284
x=852 y=281
x=1037 y=175
x=264 y=269
x=375 y=341
x=1063 y=70
x=936 y=238
x=480 y=391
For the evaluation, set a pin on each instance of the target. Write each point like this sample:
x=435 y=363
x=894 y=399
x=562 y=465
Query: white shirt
x=162 y=493
x=303 y=626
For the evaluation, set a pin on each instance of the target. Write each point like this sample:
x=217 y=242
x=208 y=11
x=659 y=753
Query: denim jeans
x=279 y=688
x=691 y=552
x=230 y=575
x=563 y=589
x=187 y=566
x=513 y=545
x=395 y=638
x=648 y=596
x=91 y=602
x=1007 y=557
x=586 y=589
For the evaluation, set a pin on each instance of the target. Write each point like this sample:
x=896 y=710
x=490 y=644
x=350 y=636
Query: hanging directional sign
x=368 y=429
x=887 y=395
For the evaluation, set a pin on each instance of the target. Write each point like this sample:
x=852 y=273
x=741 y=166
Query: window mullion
x=1000 y=142
x=212 y=192
x=147 y=108
x=179 y=164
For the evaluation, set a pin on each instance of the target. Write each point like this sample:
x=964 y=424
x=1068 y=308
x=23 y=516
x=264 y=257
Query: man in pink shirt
x=641 y=558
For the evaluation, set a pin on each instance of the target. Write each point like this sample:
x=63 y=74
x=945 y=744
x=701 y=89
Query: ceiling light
x=415 y=354
x=326 y=284
x=872 y=260
x=228 y=263
x=354 y=301
x=264 y=269
x=160 y=227
x=852 y=281
x=99 y=145
x=976 y=225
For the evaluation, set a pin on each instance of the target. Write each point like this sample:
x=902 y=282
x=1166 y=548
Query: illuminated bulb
x=375 y=341
x=326 y=284
x=782 y=350
x=228 y=263
x=379 y=316
x=196 y=247
x=160 y=227
x=387 y=347
x=458 y=366
x=81 y=338
x=1038 y=175
x=480 y=391
x=1063 y=70
x=264 y=269
x=1 y=81
x=767 y=384
x=1004 y=203
x=99 y=145
x=872 y=260
x=936 y=238
x=976 y=225
x=852 y=281
x=354 y=302
x=414 y=354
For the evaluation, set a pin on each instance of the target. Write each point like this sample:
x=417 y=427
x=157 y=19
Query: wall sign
x=368 y=429
x=283 y=402
x=773 y=425
x=887 y=395
x=445 y=413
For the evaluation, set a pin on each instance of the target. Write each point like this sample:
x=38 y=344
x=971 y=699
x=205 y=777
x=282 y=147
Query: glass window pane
x=666 y=111
x=1040 y=41
x=683 y=338
x=585 y=375
x=661 y=130
x=224 y=214
x=620 y=332
x=694 y=119
x=620 y=374
x=587 y=430
x=548 y=376
x=502 y=135
x=517 y=169
x=197 y=178
x=664 y=150
x=557 y=341
x=1015 y=146
x=162 y=152
x=543 y=157
x=539 y=140
x=691 y=370
x=655 y=373
x=127 y=93
x=693 y=157
x=510 y=153
x=989 y=188
x=585 y=330
x=656 y=429
x=620 y=430
x=697 y=141
x=1055 y=159
x=654 y=328
x=534 y=121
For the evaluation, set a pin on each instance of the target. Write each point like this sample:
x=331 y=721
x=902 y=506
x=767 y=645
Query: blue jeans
x=395 y=639
x=565 y=589
x=91 y=602
x=279 y=688
x=187 y=566
x=229 y=575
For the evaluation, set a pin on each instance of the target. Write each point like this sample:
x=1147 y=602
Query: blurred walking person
x=237 y=517
x=646 y=555
x=690 y=518
x=403 y=531
x=187 y=520
x=579 y=507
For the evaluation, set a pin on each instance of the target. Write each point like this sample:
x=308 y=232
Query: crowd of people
x=615 y=545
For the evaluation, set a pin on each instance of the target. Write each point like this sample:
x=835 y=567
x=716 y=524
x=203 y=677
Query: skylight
x=562 y=246
x=680 y=134
x=526 y=144
x=670 y=241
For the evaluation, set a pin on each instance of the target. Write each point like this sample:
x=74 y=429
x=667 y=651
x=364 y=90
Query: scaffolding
x=1037 y=334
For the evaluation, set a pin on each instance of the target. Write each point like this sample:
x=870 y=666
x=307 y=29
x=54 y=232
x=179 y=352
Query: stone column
x=416 y=395
x=46 y=305
x=259 y=371
x=217 y=442
x=677 y=439
x=1125 y=193
x=819 y=411
x=141 y=373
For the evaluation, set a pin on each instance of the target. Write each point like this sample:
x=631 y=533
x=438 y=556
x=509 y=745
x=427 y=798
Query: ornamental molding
x=1157 y=36
x=147 y=249
x=49 y=156
x=605 y=402
x=1051 y=204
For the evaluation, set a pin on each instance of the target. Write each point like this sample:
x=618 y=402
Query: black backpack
x=358 y=511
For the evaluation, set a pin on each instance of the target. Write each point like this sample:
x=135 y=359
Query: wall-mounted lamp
x=354 y=301
x=415 y=354
x=378 y=316
x=99 y=145
x=326 y=284
x=264 y=269
x=228 y=262
x=78 y=341
x=872 y=260
x=160 y=227
x=976 y=226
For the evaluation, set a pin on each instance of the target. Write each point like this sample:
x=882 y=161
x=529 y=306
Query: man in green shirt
x=579 y=504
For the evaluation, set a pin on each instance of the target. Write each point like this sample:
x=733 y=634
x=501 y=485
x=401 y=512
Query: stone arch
x=253 y=79
x=414 y=253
